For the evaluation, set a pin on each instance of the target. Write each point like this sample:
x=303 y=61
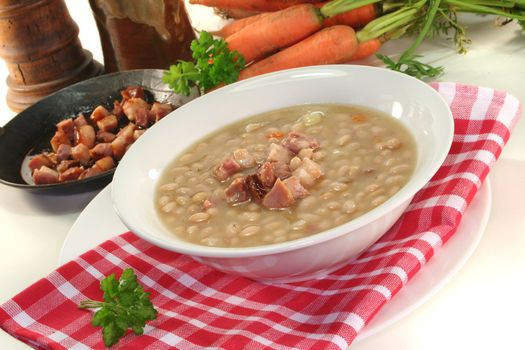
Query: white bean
x=170 y=186
x=182 y=200
x=167 y=208
x=378 y=200
x=199 y=217
x=401 y=168
x=200 y=197
x=349 y=206
x=343 y=140
x=295 y=163
x=163 y=200
x=250 y=230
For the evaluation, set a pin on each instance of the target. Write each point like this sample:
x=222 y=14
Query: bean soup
x=285 y=174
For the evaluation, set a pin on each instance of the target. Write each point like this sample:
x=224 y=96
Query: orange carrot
x=252 y=5
x=366 y=49
x=236 y=25
x=331 y=45
x=275 y=31
x=355 y=18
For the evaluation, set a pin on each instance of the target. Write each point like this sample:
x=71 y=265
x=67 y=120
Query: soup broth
x=284 y=175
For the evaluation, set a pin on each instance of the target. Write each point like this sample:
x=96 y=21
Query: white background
x=482 y=307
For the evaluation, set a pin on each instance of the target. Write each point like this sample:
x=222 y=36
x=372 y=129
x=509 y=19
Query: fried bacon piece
x=237 y=192
x=227 y=168
x=83 y=147
x=279 y=196
x=45 y=176
x=58 y=139
x=296 y=141
x=70 y=174
x=255 y=187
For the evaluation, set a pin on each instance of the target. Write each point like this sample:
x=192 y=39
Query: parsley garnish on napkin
x=126 y=305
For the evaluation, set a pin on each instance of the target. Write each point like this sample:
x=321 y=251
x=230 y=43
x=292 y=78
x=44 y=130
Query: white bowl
x=414 y=103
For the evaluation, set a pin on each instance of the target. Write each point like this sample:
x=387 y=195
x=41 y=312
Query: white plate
x=98 y=223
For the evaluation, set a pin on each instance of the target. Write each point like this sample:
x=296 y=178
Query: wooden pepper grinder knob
x=39 y=43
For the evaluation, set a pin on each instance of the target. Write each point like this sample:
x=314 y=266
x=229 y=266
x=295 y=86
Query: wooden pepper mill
x=39 y=43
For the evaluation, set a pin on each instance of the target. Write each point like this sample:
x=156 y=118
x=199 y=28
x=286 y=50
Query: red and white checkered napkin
x=200 y=307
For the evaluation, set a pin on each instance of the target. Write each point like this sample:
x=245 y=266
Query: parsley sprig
x=214 y=64
x=126 y=305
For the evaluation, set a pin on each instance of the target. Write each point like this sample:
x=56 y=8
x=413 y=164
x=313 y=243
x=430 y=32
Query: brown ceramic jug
x=142 y=34
x=39 y=43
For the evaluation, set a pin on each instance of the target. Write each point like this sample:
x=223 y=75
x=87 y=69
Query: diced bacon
x=131 y=92
x=304 y=178
x=108 y=123
x=160 y=110
x=226 y=169
x=70 y=174
x=80 y=120
x=94 y=170
x=39 y=161
x=86 y=135
x=101 y=150
x=133 y=107
x=294 y=185
x=244 y=158
x=266 y=174
x=296 y=141
x=105 y=136
x=58 y=139
x=118 y=147
x=312 y=168
x=255 y=187
x=281 y=170
x=138 y=133
x=127 y=133
x=81 y=153
x=68 y=127
x=278 y=153
x=279 y=196
x=66 y=164
x=63 y=152
x=236 y=193
x=117 y=109
x=45 y=175
x=105 y=163
x=99 y=113
x=142 y=118
x=308 y=172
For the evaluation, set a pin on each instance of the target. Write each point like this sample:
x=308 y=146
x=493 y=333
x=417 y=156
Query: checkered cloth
x=200 y=307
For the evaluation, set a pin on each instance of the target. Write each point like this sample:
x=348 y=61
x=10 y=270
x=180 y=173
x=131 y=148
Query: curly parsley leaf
x=214 y=64
x=126 y=305
x=181 y=77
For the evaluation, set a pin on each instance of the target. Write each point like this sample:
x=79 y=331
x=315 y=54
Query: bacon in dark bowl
x=72 y=140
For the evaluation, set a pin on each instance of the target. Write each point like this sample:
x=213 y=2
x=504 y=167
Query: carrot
x=331 y=45
x=275 y=31
x=252 y=5
x=234 y=26
x=355 y=18
x=366 y=49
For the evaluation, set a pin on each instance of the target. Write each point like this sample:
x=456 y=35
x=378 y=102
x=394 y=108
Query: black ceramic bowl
x=32 y=129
